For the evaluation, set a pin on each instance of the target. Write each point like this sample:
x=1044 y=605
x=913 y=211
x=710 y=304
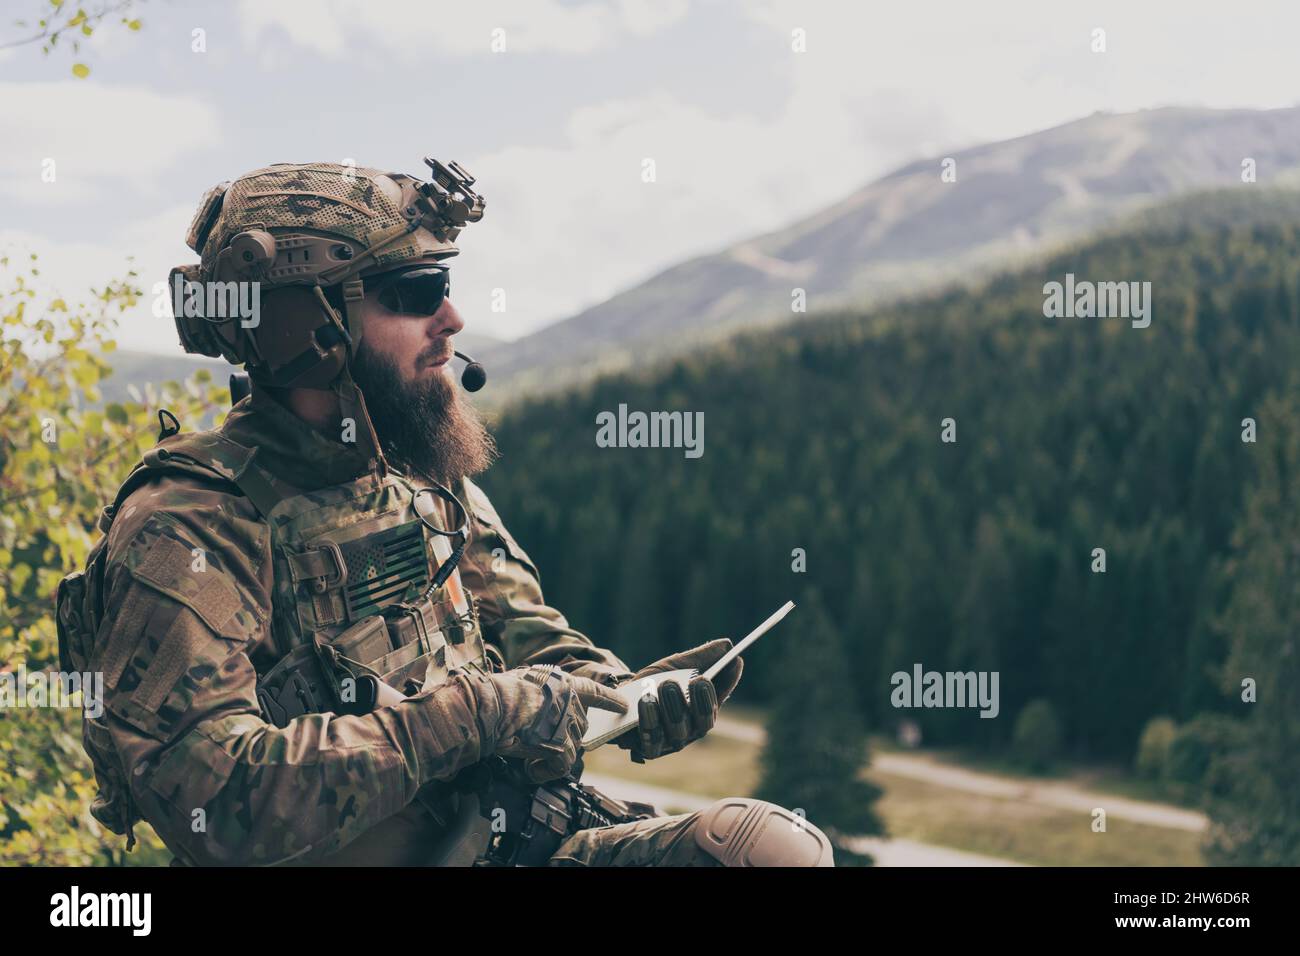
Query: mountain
x=136 y=368
x=910 y=232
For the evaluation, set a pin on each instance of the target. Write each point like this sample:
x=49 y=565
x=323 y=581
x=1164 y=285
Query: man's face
x=404 y=370
x=418 y=345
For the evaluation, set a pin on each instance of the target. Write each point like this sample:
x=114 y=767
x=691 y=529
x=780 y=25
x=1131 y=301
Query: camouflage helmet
x=304 y=237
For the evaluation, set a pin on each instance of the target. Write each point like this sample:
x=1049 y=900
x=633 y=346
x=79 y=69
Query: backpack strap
x=209 y=455
x=79 y=607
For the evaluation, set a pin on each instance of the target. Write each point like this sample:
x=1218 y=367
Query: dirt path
x=1062 y=796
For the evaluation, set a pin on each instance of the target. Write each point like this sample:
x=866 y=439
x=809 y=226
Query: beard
x=425 y=428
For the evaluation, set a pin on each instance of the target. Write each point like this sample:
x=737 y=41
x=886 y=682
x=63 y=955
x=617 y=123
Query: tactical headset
x=310 y=281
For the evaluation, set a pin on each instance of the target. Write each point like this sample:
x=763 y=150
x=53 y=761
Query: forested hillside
x=1072 y=435
x=1004 y=204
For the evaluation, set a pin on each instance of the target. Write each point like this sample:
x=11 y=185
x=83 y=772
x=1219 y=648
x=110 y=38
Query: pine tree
x=640 y=617
x=816 y=744
x=1254 y=781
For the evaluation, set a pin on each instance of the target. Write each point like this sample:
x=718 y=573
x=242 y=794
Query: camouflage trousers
x=404 y=840
x=660 y=841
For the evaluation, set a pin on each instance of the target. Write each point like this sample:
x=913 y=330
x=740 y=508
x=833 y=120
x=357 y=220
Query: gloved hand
x=543 y=716
x=671 y=722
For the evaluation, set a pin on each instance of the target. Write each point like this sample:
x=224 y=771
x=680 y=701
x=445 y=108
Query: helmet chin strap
x=352 y=403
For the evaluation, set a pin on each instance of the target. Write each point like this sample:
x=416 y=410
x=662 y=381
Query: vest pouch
x=365 y=642
x=410 y=622
x=420 y=648
x=74 y=637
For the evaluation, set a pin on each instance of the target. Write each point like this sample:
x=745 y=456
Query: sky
x=755 y=114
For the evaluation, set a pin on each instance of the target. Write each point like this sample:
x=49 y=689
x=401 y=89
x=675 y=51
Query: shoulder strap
x=208 y=455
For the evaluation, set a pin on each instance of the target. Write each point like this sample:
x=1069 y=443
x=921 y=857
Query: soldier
x=313 y=626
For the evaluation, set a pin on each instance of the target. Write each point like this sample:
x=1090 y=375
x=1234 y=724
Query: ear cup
x=297 y=345
x=197 y=335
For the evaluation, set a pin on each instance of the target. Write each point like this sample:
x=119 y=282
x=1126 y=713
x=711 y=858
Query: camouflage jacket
x=181 y=661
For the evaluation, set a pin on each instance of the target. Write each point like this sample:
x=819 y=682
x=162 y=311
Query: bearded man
x=319 y=642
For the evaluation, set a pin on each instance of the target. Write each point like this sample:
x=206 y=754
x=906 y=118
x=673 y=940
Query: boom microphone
x=475 y=376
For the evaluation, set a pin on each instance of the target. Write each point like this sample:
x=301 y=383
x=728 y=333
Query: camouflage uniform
x=236 y=561
x=181 y=653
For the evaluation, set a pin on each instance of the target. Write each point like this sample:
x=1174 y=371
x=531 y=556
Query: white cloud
x=650 y=16
x=411 y=29
x=1000 y=70
x=82 y=126
x=568 y=226
x=71 y=269
x=28 y=187
x=570 y=222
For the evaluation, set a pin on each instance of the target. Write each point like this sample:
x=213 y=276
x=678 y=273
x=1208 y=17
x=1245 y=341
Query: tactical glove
x=543 y=715
x=670 y=722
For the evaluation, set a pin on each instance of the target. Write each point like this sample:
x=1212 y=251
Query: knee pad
x=737 y=831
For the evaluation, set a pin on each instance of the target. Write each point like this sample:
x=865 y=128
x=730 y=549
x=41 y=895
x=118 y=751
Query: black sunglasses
x=419 y=291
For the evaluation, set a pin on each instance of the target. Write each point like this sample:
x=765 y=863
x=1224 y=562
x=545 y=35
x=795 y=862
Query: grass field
x=712 y=767
x=1025 y=832
x=1102 y=778
x=994 y=826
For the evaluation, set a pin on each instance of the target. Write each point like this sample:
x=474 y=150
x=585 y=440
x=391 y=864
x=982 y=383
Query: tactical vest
x=352 y=605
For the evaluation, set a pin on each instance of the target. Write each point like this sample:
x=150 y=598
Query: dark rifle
x=529 y=821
